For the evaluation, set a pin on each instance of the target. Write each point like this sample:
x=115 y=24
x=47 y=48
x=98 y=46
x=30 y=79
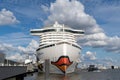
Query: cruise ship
x=58 y=43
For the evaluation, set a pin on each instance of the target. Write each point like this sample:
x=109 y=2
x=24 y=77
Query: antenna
x=56 y=24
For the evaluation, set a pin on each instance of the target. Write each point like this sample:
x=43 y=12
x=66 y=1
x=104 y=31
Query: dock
x=12 y=71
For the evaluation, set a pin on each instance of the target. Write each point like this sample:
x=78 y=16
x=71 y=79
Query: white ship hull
x=63 y=57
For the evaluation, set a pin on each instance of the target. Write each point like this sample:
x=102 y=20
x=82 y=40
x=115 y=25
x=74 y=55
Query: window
x=42 y=31
x=45 y=47
x=76 y=32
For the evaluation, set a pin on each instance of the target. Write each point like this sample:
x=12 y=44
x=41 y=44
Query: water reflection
x=104 y=75
x=41 y=76
x=65 y=78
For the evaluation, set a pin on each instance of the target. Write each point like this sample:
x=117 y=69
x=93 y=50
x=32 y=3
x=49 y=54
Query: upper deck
x=56 y=28
x=56 y=33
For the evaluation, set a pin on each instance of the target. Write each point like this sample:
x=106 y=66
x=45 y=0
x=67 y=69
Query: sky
x=100 y=19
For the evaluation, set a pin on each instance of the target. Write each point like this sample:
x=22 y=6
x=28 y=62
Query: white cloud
x=16 y=56
x=113 y=44
x=6 y=47
x=19 y=53
x=89 y=56
x=30 y=49
x=7 y=17
x=71 y=13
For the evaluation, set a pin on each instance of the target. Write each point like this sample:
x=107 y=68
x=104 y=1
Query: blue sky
x=99 y=18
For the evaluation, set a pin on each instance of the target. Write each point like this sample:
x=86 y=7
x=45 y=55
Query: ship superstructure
x=58 y=43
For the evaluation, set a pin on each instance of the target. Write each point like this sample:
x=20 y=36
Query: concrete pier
x=47 y=69
x=11 y=71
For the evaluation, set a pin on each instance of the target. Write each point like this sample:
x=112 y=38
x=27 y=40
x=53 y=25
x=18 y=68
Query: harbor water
x=78 y=75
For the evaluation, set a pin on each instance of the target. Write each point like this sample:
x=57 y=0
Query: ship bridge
x=57 y=33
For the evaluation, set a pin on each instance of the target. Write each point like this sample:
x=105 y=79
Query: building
x=2 y=59
x=6 y=62
x=12 y=63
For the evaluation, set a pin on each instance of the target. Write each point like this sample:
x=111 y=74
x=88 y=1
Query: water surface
x=79 y=75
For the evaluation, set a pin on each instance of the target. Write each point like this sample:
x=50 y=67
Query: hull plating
x=63 y=57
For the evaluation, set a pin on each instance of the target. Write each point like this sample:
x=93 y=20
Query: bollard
x=47 y=69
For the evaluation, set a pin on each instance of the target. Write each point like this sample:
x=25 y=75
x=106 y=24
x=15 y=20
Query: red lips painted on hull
x=62 y=63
